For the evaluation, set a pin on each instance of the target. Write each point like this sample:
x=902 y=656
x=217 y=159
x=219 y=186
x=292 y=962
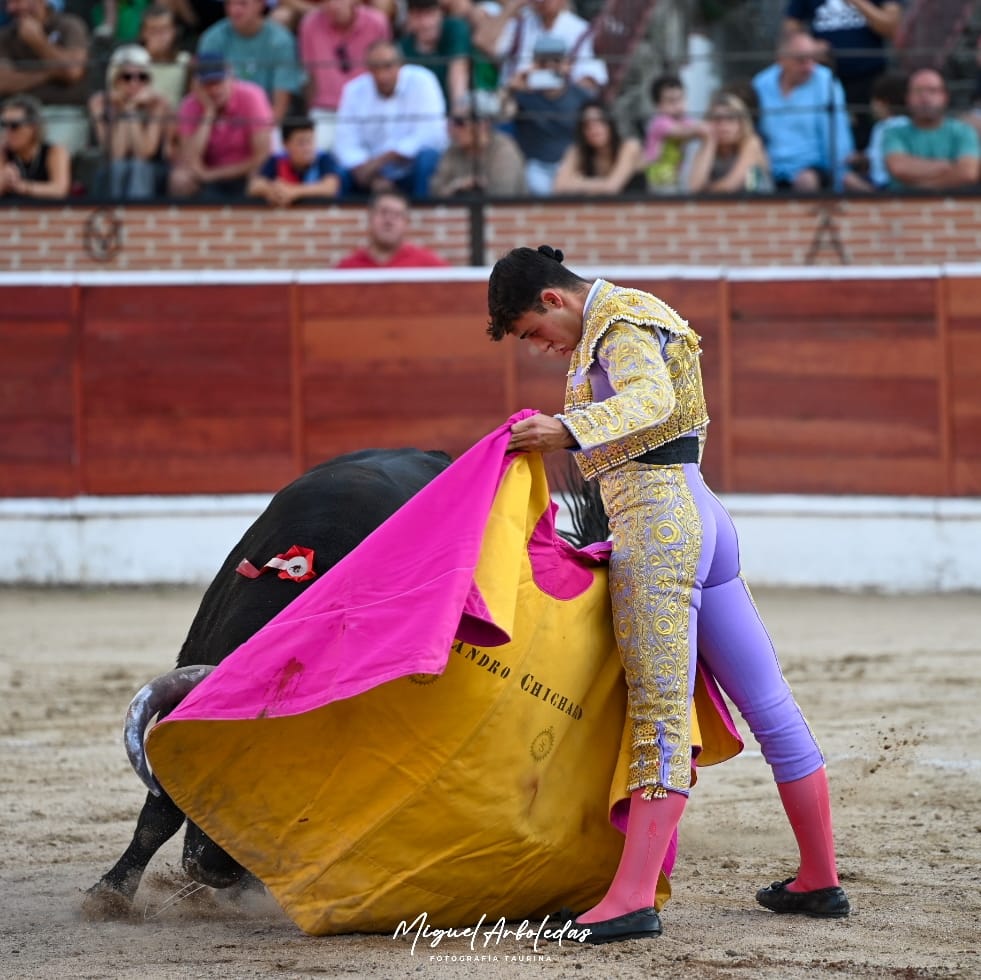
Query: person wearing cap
x=391 y=125
x=258 y=49
x=481 y=160
x=547 y=105
x=512 y=34
x=223 y=133
x=439 y=43
x=334 y=40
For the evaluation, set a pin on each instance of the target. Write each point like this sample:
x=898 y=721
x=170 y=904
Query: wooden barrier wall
x=841 y=386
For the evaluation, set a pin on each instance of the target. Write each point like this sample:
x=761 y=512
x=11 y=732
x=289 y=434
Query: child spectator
x=223 y=133
x=132 y=122
x=888 y=107
x=600 y=162
x=300 y=171
x=669 y=132
x=730 y=158
x=159 y=34
x=547 y=108
x=30 y=167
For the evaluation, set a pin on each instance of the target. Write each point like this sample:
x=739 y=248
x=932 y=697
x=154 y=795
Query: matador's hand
x=539 y=434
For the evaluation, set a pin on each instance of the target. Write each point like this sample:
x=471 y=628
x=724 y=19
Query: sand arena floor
x=890 y=686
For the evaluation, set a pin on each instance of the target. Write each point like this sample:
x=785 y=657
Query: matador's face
x=555 y=329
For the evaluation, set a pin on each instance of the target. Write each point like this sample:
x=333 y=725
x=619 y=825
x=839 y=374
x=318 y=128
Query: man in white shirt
x=510 y=37
x=391 y=125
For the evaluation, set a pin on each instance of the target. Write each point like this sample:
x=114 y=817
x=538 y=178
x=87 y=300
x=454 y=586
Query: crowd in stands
x=285 y=100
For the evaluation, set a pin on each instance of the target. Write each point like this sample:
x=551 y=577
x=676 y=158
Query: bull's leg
x=206 y=862
x=112 y=895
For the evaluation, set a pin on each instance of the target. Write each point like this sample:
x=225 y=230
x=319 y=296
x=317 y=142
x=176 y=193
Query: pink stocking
x=650 y=826
x=808 y=808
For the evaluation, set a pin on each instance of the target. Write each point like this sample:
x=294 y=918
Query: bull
x=329 y=509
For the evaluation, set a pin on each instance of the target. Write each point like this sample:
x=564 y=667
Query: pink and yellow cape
x=433 y=726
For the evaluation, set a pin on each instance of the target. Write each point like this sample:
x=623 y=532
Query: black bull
x=329 y=509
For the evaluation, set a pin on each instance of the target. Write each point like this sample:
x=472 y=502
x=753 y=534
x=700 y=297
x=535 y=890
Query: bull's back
x=330 y=509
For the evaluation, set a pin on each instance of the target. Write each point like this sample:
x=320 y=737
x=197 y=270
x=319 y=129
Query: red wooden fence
x=842 y=386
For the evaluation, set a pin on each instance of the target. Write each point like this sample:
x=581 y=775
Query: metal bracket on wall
x=827 y=233
x=103 y=235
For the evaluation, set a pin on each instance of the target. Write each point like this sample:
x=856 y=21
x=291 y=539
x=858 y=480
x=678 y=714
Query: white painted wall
x=885 y=544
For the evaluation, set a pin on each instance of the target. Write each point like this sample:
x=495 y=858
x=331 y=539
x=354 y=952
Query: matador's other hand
x=539 y=434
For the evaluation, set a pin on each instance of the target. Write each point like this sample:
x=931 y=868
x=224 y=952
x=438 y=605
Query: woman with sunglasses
x=731 y=157
x=132 y=121
x=30 y=167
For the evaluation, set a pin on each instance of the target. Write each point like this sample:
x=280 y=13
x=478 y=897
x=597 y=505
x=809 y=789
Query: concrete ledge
x=886 y=544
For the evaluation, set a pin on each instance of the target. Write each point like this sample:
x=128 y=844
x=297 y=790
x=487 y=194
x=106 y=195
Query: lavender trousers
x=678 y=593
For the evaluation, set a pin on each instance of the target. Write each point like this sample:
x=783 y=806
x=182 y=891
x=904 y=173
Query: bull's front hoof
x=102 y=903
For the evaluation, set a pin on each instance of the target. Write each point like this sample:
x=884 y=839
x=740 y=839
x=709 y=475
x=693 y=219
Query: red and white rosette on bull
x=295 y=564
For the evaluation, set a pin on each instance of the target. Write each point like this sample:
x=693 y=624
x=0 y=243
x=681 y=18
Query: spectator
x=853 y=34
x=118 y=20
x=888 y=109
x=388 y=222
x=334 y=42
x=600 y=162
x=169 y=64
x=974 y=116
x=391 y=125
x=481 y=158
x=259 y=50
x=512 y=34
x=300 y=171
x=132 y=122
x=547 y=108
x=45 y=53
x=930 y=151
x=223 y=130
x=803 y=119
x=730 y=158
x=30 y=167
x=669 y=132
x=441 y=44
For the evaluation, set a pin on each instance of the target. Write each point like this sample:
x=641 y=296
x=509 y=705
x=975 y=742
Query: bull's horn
x=162 y=694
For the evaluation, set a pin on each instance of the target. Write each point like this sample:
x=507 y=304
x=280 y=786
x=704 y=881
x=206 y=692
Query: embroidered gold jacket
x=651 y=400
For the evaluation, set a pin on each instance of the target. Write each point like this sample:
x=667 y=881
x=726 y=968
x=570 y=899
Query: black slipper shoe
x=641 y=924
x=822 y=903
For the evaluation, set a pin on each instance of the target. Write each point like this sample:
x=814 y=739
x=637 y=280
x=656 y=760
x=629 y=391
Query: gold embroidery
x=657 y=539
x=656 y=399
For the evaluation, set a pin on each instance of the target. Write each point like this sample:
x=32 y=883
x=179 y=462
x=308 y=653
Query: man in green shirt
x=931 y=151
x=441 y=44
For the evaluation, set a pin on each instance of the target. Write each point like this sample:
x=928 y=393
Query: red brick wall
x=872 y=231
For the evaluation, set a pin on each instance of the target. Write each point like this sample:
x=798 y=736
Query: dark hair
x=516 y=284
x=891 y=89
x=663 y=82
x=30 y=105
x=295 y=124
x=587 y=152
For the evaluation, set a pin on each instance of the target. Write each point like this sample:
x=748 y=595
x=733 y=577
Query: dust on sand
x=889 y=685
